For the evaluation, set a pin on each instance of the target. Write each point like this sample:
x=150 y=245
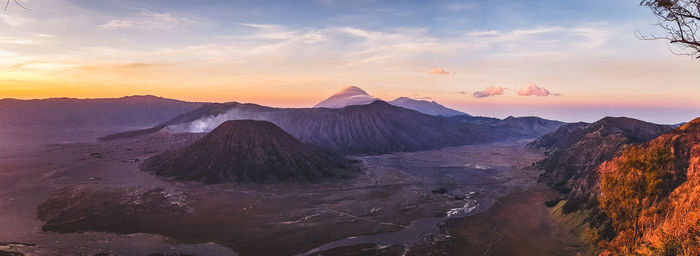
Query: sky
x=575 y=60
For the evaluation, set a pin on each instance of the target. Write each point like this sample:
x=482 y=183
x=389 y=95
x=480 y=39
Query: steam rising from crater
x=207 y=124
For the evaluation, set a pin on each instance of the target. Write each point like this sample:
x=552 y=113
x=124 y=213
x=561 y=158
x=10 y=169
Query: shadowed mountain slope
x=565 y=135
x=67 y=112
x=528 y=127
x=247 y=151
x=365 y=129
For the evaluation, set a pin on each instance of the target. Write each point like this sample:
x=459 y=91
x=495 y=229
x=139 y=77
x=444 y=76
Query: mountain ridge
x=136 y=110
x=374 y=128
x=425 y=107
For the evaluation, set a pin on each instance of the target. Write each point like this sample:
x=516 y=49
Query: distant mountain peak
x=351 y=95
x=404 y=98
x=425 y=107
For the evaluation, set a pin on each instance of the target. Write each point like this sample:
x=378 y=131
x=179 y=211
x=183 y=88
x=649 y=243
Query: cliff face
x=668 y=222
x=580 y=148
x=563 y=136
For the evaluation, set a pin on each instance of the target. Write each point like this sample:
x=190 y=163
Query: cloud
x=369 y=35
x=260 y=26
x=461 y=6
x=13 y=21
x=16 y=41
x=484 y=33
x=438 y=71
x=144 y=20
x=518 y=34
x=488 y=91
x=122 y=67
x=326 y=2
x=533 y=90
x=553 y=42
x=418 y=97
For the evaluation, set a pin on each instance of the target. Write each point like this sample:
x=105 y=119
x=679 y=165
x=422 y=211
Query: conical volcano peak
x=351 y=90
x=248 y=151
x=348 y=96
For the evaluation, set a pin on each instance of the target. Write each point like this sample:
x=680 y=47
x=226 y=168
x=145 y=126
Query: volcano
x=248 y=151
x=349 y=96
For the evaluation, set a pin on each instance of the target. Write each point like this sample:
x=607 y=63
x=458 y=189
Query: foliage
x=686 y=244
x=638 y=181
x=592 y=236
x=670 y=246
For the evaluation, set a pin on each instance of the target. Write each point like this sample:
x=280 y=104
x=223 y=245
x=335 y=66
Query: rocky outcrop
x=578 y=149
x=584 y=148
x=669 y=223
x=563 y=136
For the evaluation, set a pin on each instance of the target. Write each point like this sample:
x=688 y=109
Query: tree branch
x=681 y=21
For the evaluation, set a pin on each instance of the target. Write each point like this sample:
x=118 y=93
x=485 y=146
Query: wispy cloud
x=13 y=21
x=489 y=91
x=16 y=41
x=552 y=40
x=419 y=97
x=515 y=35
x=438 y=71
x=122 y=66
x=260 y=26
x=461 y=6
x=484 y=33
x=144 y=20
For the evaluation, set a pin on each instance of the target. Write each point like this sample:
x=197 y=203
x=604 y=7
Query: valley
x=90 y=191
